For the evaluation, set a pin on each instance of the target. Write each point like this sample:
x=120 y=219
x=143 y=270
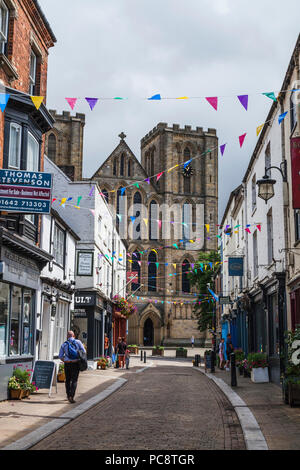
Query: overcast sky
x=137 y=48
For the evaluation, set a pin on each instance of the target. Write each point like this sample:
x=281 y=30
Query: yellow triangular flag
x=63 y=201
x=146 y=221
x=172 y=168
x=207 y=227
x=174 y=265
x=258 y=130
x=37 y=101
x=183 y=98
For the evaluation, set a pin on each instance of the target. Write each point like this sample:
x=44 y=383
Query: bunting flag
x=78 y=201
x=159 y=223
x=175 y=244
x=170 y=169
x=258 y=129
x=222 y=149
x=91 y=191
x=207 y=227
x=136 y=185
x=271 y=95
x=123 y=191
x=187 y=163
x=281 y=117
x=213 y=101
x=182 y=98
x=120 y=218
x=54 y=199
x=3 y=101
x=259 y=227
x=244 y=101
x=146 y=222
x=241 y=139
x=159 y=176
x=155 y=97
x=72 y=102
x=37 y=101
x=92 y=102
x=247 y=230
x=118 y=98
x=93 y=212
x=147 y=180
x=132 y=217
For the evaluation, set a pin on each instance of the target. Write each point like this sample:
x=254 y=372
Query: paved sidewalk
x=20 y=417
x=279 y=423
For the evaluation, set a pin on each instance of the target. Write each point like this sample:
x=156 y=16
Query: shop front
x=119 y=326
x=20 y=269
x=295 y=303
x=88 y=323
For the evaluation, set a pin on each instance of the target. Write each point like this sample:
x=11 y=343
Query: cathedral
x=166 y=208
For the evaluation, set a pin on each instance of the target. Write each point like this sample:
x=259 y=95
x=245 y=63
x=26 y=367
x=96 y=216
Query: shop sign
x=295 y=166
x=25 y=191
x=235 y=266
x=224 y=300
x=19 y=270
x=84 y=299
x=85 y=263
x=79 y=312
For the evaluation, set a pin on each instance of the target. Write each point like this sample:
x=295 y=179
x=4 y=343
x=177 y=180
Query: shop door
x=148 y=332
x=45 y=346
x=274 y=343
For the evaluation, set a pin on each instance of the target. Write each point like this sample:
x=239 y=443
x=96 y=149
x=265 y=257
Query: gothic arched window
x=186 y=221
x=129 y=168
x=115 y=167
x=137 y=207
x=52 y=147
x=153 y=221
x=185 y=282
x=122 y=164
x=152 y=272
x=136 y=269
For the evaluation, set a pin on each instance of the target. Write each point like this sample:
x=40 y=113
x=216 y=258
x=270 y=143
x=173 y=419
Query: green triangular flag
x=271 y=95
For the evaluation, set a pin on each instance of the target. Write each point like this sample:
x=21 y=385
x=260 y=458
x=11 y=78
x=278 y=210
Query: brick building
x=187 y=197
x=25 y=39
x=64 y=143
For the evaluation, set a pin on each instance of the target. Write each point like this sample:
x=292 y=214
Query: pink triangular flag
x=159 y=175
x=242 y=138
x=213 y=100
x=72 y=102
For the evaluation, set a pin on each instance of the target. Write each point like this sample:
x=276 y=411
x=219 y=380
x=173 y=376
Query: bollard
x=233 y=370
x=196 y=360
x=212 y=361
x=145 y=357
x=141 y=355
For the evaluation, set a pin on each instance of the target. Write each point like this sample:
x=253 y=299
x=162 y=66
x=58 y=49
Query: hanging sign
x=295 y=164
x=235 y=266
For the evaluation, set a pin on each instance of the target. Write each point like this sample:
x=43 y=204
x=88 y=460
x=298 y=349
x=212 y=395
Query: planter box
x=61 y=377
x=260 y=375
x=133 y=350
x=16 y=394
x=181 y=353
x=293 y=394
x=158 y=352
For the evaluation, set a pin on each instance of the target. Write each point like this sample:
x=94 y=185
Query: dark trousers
x=71 y=372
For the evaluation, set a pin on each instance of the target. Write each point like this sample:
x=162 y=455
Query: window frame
x=57 y=228
x=19 y=127
x=4 y=34
x=32 y=79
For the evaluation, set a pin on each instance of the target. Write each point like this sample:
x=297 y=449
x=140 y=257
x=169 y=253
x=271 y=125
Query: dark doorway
x=148 y=332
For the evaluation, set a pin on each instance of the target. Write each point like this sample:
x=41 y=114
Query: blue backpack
x=72 y=349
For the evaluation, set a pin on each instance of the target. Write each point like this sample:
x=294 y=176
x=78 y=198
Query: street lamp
x=266 y=184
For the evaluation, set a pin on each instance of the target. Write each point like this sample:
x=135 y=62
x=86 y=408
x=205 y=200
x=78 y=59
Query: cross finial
x=122 y=136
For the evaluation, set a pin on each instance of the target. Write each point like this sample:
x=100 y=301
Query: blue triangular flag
x=122 y=191
x=281 y=117
x=3 y=101
x=155 y=97
x=132 y=217
x=187 y=163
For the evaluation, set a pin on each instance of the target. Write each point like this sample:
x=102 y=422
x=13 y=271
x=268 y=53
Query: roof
x=232 y=195
x=38 y=7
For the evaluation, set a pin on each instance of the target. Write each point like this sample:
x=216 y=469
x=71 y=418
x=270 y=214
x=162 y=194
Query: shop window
x=61 y=325
x=4 y=15
x=27 y=321
x=4 y=317
x=59 y=245
x=16 y=308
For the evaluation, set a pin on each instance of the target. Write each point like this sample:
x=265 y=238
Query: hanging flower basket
x=123 y=306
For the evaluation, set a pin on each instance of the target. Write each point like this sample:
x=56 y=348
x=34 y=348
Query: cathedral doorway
x=148 y=332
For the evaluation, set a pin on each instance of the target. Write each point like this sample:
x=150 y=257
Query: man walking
x=68 y=354
x=229 y=350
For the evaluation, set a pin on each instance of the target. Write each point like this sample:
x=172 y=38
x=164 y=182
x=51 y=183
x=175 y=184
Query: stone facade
x=64 y=143
x=161 y=149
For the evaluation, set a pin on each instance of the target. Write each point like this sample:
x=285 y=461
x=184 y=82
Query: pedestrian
x=229 y=350
x=121 y=350
x=68 y=354
x=127 y=358
x=221 y=354
x=106 y=345
x=192 y=341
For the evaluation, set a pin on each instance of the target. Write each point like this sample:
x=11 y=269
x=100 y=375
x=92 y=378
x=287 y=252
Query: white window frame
x=4 y=14
x=32 y=79
x=30 y=217
x=18 y=128
x=59 y=245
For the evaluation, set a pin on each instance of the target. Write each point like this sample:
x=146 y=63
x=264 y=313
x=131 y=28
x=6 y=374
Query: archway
x=148 y=332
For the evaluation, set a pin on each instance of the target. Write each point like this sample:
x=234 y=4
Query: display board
x=44 y=375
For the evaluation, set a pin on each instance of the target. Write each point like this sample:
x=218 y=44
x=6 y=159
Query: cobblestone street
x=166 y=407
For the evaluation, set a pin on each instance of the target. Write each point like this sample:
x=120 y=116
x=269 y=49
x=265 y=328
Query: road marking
x=253 y=435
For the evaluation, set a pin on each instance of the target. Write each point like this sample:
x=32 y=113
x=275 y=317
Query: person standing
x=229 y=350
x=106 y=345
x=221 y=353
x=121 y=351
x=127 y=358
x=192 y=341
x=68 y=354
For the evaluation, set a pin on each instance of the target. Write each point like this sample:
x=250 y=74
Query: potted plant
x=246 y=370
x=102 y=363
x=181 y=352
x=133 y=349
x=291 y=376
x=158 y=351
x=16 y=392
x=258 y=366
x=239 y=357
x=61 y=376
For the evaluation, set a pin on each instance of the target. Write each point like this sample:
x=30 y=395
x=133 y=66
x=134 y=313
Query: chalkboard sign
x=207 y=359
x=44 y=374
